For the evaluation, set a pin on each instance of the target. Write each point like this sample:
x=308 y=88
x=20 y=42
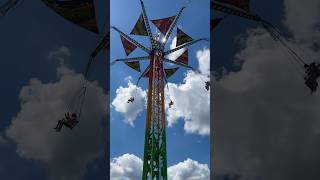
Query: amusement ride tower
x=155 y=154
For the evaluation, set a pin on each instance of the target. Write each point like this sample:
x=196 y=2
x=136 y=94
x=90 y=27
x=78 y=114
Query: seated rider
x=170 y=104
x=312 y=69
x=312 y=73
x=68 y=121
x=207 y=85
x=131 y=99
x=312 y=84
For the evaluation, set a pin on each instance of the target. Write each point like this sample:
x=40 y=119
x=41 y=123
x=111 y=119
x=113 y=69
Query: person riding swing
x=312 y=74
x=68 y=121
x=130 y=100
x=207 y=85
x=170 y=103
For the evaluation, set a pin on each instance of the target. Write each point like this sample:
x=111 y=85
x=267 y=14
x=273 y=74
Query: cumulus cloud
x=191 y=99
x=203 y=57
x=64 y=155
x=303 y=19
x=129 y=167
x=129 y=110
x=191 y=103
x=266 y=122
x=189 y=170
x=60 y=54
x=175 y=55
x=126 y=167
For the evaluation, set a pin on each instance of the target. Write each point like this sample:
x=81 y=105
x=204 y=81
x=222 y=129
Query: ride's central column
x=155 y=155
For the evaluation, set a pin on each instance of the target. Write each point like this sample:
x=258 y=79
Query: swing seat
x=71 y=124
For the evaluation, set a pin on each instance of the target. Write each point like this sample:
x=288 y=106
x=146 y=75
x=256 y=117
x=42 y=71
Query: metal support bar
x=177 y=63
x=86 y=72
x=130 y=59
x=144 y=73
x=155 y=158
x=132 y=40
x=228 y=10
x=10 y=5
x=146 y=21
x=183 y=46
x=173 y=24
x=105 y=43
x=277 y=36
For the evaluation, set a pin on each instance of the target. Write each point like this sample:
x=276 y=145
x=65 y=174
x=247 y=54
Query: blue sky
x=195 y=22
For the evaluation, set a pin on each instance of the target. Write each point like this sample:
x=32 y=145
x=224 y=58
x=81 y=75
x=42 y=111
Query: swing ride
x=241 y=8
x=155 y=155
x=81 y=13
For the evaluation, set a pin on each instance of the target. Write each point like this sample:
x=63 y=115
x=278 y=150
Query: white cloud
x=129 y=167
x=173 y=56
x=60 y=55
x=203 y=57
x=64 y=155
x=189 y=170
x=191 y=103
x=130 y=110
x=191 y=99
x=262 y=111
x=303 y=19
x=126 y=167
